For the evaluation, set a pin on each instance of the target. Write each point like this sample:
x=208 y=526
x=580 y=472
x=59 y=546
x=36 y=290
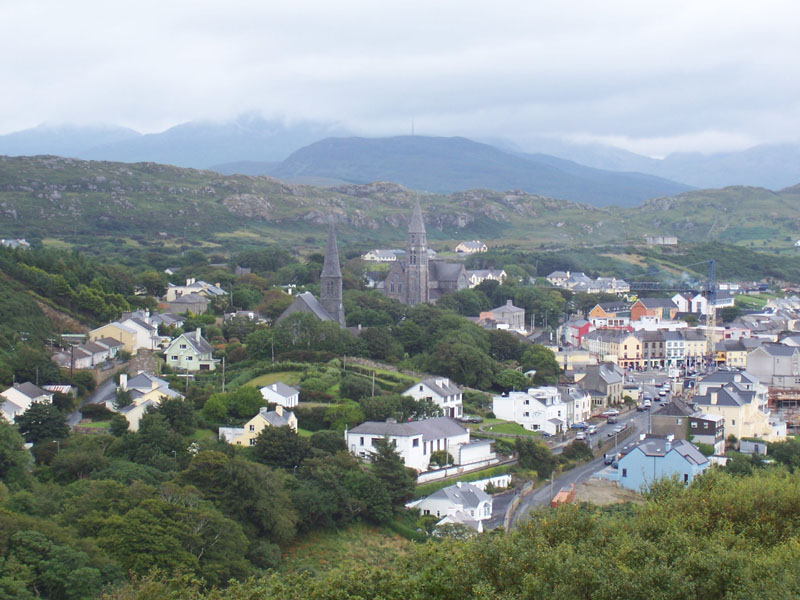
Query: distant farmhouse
x=471 y=247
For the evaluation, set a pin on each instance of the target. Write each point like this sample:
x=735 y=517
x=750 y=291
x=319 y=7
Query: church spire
x=416 y=224
x=330 y=266
x=330 y=281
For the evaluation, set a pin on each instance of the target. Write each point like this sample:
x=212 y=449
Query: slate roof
x=313 y=305
x=657 y=446
x=191 y=298
x=31 y=390
x=430 y=429
x=507 y=308
x=281 y=389
x=473 y=245
x=725 y=377
x=779 y=349
x=446 y=389
x=676 y=408
x=558 y=275
x=466 y=494
x=273 y=418
x=657 y=303
x=198 y=342
x=440 y=270
x=726 y=396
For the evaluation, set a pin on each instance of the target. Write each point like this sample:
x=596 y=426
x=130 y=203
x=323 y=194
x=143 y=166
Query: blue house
x=655 y=457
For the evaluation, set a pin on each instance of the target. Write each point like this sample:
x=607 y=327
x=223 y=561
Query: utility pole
x=223 y=374
x=272 y=344
x=373 y=385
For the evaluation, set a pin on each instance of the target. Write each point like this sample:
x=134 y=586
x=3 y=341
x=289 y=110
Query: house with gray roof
x=461 y=503
x=416 y=441
x=281 y=394
x=194 y=303
x=775 y=365
x=508 y=314
x=646 y=461
x=19 y=398
x=471 y=247
x=191 y=352
x=442 y=392
x=305 y=303
x=246 y=435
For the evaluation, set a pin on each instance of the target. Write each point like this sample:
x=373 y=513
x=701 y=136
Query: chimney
x=642 y=437
x=458 y=483
x=263 y=410
x=279 y=410
x=274 y=387
x=123 y=381
x=508 y=303
x=713 y=397
x=197 y=333
x=391 y=420
x=668 y=444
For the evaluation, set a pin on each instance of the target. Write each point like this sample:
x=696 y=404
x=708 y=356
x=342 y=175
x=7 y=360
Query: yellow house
x=694 y=343
x=145 y=390
x=743 y=417
x=732 y=353
x=629 y=351
x=126 y=335
x=246 y=436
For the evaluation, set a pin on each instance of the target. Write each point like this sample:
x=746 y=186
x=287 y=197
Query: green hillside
x=152 y=211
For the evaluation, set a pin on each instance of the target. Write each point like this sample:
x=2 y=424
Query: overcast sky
x=650 y=77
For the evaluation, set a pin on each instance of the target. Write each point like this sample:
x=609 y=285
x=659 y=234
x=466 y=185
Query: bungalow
x=417 y=440
x=478 y=276
x=379 y=255
x=442 y=392
x=117 y=331
x=654 y=458
x=281 y=394
x=246 y=436
x=19 y=398
x=190 y=351
x=194 y=286
x=558 y=278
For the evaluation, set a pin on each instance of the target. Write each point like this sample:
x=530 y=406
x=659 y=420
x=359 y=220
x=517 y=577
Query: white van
x=592 y=429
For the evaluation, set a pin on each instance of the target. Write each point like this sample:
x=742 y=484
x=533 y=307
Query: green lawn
x=304 y=432
x=287 y=377
x=97 y=424
x=510 y=428
x=357 y=545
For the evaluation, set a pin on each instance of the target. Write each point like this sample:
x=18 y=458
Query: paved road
x=102 y=392
x=543 y=496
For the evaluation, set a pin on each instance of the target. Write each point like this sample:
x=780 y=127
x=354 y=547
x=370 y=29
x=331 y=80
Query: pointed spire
x=330 y=266
x=416 y=225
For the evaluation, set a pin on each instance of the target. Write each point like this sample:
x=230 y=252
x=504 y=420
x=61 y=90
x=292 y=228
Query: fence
x=512 y=507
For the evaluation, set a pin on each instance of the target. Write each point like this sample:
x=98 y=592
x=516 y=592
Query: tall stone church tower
x=417 y=257
x=330 y=281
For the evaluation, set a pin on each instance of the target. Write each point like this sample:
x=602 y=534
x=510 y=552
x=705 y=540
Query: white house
x=379 y=255
x=281 y=394
x=19 y=397
x=459 y=501
x=146 y=334
x=193 y=287
x=578 y=403
x=442 y=392
x=417 y=440
x=471 y=247
x=538 y=409
x=190 y=351
x=246 y=436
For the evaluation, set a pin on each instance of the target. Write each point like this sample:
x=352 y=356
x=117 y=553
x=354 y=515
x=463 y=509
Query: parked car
x=578 y=426
x=471 y=419
x=612 y=419
x=611 y=412
x=581 y=435
x=592 y=429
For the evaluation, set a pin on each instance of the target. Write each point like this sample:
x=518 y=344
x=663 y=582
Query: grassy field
x=97 y=424
x=287 y=377
x=426 y=489
x=356 y=545
x=304 y=432
x=509 y=428
x=203 y=434
x=753 y=302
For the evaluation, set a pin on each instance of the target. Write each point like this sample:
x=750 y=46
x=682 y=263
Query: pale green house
x=190 y=352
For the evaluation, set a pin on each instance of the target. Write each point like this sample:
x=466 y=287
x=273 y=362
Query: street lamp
x=58 y=445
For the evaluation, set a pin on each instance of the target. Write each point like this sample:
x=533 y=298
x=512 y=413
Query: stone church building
x=329 y=307
x=417 y=278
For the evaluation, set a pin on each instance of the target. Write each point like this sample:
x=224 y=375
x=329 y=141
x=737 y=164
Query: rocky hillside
x=79 y=202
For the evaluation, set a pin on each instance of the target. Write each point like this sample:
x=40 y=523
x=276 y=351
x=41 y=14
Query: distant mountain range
x=446 y=165
x=325 y=154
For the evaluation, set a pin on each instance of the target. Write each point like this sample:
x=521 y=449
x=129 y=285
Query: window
x=252 y=441
x=526 y=414
x=361 y=441
x=705 y=425
x=678 y=421
x=624 y=472
x=174 y=357
x=420 y=388
x=694 y=424
x=183 y=346
x=527 y=402
x=252 y=427
x=685 y=478
x=415 y=443
x=188 y=358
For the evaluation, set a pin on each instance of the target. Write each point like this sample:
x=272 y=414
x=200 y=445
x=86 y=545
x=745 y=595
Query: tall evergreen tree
x=388 y=466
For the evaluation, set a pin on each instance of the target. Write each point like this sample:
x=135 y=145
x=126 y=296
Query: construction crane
x=711 y=314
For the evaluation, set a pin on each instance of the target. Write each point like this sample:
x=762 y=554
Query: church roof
x=439 y=270
x=330 y=266
x=416 y=225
